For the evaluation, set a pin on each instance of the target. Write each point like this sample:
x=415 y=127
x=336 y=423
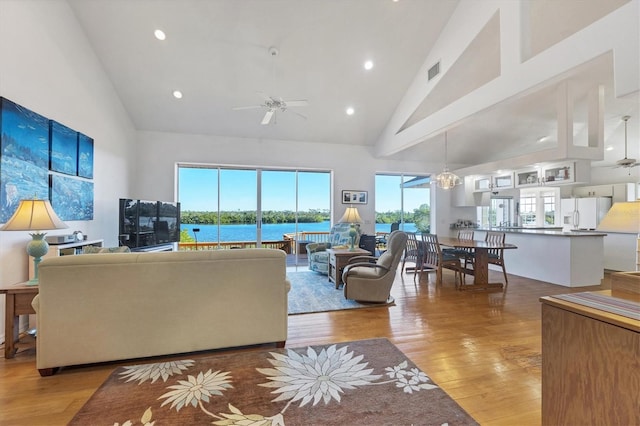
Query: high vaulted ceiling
x=217 y=54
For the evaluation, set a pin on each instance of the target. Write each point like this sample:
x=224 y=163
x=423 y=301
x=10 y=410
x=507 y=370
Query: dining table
x=480 y=269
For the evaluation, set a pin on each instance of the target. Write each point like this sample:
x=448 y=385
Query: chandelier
x=446 y=179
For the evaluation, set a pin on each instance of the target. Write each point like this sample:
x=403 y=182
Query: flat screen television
x=145 y=225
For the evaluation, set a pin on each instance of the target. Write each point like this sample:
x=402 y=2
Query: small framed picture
x=354 y=197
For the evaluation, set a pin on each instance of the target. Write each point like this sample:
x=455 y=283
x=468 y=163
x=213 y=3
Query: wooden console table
x=338 y=259
x=590 y=358
x=17 y=302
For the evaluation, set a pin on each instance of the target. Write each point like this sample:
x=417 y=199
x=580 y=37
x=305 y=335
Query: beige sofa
x=106 y=307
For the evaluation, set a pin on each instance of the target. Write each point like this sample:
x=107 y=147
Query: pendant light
x=446 y=179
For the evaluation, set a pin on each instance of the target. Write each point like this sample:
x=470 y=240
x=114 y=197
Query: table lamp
x=352 y=216
x=34 y=215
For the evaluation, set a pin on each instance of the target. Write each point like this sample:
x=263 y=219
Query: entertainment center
x=149 y=226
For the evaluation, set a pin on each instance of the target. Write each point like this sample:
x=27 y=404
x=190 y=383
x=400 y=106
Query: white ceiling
x=217 y=54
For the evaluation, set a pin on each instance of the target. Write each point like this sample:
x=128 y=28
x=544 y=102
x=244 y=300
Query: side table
x=18 y=299
x=338 y=259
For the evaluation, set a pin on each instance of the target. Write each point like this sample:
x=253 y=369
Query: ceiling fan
x=273 y=105
x=626 y=162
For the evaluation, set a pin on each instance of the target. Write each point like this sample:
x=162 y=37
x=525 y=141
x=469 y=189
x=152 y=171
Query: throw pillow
x=94 y=250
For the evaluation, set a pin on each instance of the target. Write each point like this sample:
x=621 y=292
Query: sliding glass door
x=403 y=199
x=235 y=207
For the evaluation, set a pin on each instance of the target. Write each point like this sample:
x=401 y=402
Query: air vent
x=434 y=70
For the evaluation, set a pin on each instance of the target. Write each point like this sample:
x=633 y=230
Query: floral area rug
x=313 y=292
x=366 y=382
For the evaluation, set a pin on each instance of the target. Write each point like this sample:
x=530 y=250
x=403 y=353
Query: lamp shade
x=351 y=215
x=622 y=217
x=34 y=215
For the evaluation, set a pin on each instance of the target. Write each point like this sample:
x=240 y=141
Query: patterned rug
x=366 y=382
x=313 y=292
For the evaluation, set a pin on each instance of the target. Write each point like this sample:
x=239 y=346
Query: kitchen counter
x=574 y=260
x=554 y=232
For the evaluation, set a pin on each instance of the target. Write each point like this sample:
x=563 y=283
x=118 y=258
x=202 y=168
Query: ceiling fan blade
x=246 y=107
x=297 y=103
x=265 y=96
x=298 y=114
x=267 y=117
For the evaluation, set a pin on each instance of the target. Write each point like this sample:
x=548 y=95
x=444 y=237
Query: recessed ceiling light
x=177 y=94
x=350 y=111
x=610 y=148
x=368 y=65
x=160 y=35
x=543 y=139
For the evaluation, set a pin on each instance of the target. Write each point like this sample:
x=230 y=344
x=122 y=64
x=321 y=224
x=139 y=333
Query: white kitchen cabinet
x=464 y=195
x=482 y=183
x=554 y=174
x=503 y=181
x=527 y=178
x=618 y=191
x=593 y=191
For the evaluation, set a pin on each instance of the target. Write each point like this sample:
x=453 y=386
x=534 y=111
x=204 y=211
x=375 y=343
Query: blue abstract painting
x=24 y=156
x=64 y=149
x=85 y=156
x=72 y=198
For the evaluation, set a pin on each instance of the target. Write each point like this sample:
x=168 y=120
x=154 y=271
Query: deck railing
x=287 y=244
x=284 y=245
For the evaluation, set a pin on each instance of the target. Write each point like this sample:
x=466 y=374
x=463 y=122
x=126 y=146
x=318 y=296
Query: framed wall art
x=24 y=156
x=85 y=156
x=71 y=198
x=64 y=149
x=354 y=197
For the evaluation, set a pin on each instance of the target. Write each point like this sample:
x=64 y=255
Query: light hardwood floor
x=482 y=348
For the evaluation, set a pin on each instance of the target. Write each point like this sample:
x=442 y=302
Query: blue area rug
x=313 y=292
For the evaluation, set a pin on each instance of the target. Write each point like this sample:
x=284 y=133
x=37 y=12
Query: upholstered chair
x=338 y=238
x=366 y=281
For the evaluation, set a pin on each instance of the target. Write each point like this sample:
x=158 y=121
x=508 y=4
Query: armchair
x=338 y=238
x=371 y=282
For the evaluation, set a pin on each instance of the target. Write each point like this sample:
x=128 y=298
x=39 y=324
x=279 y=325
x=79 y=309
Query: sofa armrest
x=35 y=303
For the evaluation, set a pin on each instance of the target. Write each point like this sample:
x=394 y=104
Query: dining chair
x=435 y=259
x=412 y=252
x=496 y=256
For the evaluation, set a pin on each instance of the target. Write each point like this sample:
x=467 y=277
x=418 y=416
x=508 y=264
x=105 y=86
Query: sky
x=198 y=189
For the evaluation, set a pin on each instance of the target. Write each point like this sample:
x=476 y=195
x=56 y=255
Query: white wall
x=47 y=66
x=354 y=167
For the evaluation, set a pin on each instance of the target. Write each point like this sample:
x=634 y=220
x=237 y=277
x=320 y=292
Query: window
x=528 y=209
x=249 y=207
x=549 y=203
x=538 y=207
x=404 y=199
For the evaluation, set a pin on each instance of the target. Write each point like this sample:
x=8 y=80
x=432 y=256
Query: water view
x=270 y=232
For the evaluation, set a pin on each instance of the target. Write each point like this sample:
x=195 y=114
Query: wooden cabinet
x=67 y=249
x=590 y=369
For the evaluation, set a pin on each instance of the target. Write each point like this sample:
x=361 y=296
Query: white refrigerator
x=583 y=213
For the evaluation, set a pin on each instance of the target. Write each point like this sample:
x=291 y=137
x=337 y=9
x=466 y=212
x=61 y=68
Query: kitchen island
x=570 y=259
